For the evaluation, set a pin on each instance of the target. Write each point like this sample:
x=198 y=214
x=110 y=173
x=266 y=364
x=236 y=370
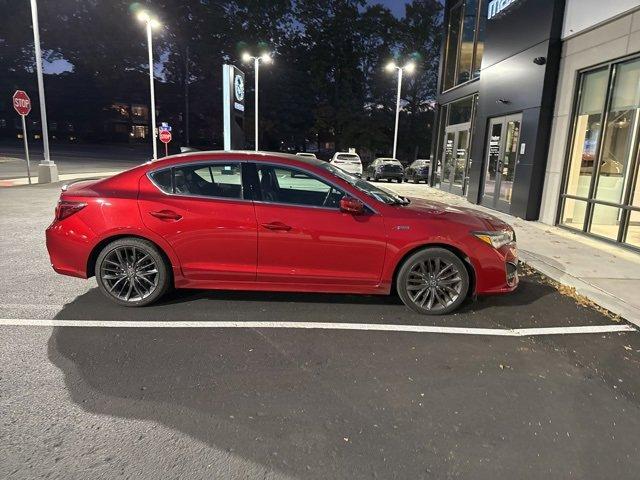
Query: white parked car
x=306 y=154
x=349 y=162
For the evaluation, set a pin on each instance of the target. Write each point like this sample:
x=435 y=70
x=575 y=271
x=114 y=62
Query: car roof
x=388 y=158
x=237 y=155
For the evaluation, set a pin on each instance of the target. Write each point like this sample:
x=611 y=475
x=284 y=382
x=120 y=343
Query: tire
x=132 y=272
x=420 y=289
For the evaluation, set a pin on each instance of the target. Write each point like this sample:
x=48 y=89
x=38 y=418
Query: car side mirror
x=351 y=205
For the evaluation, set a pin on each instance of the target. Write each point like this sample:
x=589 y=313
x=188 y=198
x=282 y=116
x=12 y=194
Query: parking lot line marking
x=503 y=332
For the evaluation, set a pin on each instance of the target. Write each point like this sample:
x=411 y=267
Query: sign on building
x=233 y=96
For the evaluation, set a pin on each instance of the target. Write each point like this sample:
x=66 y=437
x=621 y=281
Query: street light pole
x=153 y=92
x=151 y=23
x=409 y=67
x=47 y=170
x=256 y=66
x=395 y=133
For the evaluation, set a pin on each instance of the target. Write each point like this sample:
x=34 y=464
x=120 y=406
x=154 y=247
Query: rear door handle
x=166 y=215
x=276 y=226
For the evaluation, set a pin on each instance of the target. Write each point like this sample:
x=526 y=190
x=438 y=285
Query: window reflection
x=465 y=43
x=587 y=132
x=619 y=137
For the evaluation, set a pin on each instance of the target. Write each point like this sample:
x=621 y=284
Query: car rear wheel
x=132 y=272
x=433 y=281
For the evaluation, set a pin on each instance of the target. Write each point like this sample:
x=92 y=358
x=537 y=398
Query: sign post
x=22 y=105
x=165 y=137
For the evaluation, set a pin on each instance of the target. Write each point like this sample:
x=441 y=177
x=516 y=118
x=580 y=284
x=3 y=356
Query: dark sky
x=396 y=6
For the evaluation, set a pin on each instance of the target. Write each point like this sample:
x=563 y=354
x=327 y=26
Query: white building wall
x=581 y=15
x=610 y=40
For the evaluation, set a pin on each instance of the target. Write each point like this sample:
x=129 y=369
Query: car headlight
x=496 y=239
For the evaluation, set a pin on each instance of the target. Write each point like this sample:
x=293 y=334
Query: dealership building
x=539 y=112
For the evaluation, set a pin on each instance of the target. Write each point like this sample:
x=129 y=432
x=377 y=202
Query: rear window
x=346 y=156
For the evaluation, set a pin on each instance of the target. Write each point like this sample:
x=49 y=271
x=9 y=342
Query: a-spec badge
x=402 y=227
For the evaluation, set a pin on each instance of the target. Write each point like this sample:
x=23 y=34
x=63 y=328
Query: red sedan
x=263 y=221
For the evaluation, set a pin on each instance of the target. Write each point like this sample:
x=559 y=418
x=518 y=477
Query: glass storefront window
x=465 y=56
x=464 y=43
x=605 y=144
x=587 y=132
x=574 y=213
x=619 y=137
x=460 y=111
x=633 y=231
x=605 y=221
x=453 y=39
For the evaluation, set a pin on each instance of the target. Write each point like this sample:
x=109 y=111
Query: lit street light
x=409 y=68
x=151 y=23
x=246 y=57
x=47 y=170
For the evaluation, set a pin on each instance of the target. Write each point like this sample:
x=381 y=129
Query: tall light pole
x=151 y=23
x=246 y=57
x=409 y=68
x=47 y=170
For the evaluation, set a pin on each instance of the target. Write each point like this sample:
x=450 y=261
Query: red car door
x=304 y=238
x=201 y=212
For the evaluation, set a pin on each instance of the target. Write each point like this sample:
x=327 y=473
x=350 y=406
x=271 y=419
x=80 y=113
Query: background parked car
x=306 y=154
x=418 y=171
x=349 y=162
x=384 y=169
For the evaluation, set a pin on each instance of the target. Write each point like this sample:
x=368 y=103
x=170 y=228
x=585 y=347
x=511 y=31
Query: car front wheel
x=433 y=281
x=132 y=272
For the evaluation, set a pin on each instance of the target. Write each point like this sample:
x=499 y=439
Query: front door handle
x=166 y=215
x=276 y=226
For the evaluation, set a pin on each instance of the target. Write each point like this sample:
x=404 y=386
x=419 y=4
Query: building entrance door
x=455 y=158
x=503 y=151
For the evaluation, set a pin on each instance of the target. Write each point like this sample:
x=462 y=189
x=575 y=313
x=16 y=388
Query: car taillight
x=66 y=208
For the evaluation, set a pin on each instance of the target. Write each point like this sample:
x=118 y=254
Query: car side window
x=296 y=187
x=219 y=179
x=162 y=179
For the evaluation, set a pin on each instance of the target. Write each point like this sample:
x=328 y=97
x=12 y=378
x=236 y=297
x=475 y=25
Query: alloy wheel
x=434 y=284
x=129 y=273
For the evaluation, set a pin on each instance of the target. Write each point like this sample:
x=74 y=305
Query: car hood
x=474 y=219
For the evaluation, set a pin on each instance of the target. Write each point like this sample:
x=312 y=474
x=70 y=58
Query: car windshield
x=365 y=187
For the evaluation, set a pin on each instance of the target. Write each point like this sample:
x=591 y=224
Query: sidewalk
x=13 y=182
x=606 y=274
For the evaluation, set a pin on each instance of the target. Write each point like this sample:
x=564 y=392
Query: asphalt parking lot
x=285 y=403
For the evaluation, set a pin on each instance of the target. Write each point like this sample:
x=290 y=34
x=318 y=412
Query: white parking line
x=502 y=332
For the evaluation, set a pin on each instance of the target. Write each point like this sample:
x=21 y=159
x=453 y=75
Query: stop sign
x=165 y=136
x=21 y=102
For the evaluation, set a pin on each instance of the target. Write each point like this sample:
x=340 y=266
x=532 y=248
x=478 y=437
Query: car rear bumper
x=69 y=243
x=385 y=175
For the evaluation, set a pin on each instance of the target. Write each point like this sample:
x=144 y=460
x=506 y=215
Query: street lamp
x=47 y=170
x=409 y=68
x=151 y=23
x=265 y=58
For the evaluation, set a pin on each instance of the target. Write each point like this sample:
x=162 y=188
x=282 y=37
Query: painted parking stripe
x=503 y=332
